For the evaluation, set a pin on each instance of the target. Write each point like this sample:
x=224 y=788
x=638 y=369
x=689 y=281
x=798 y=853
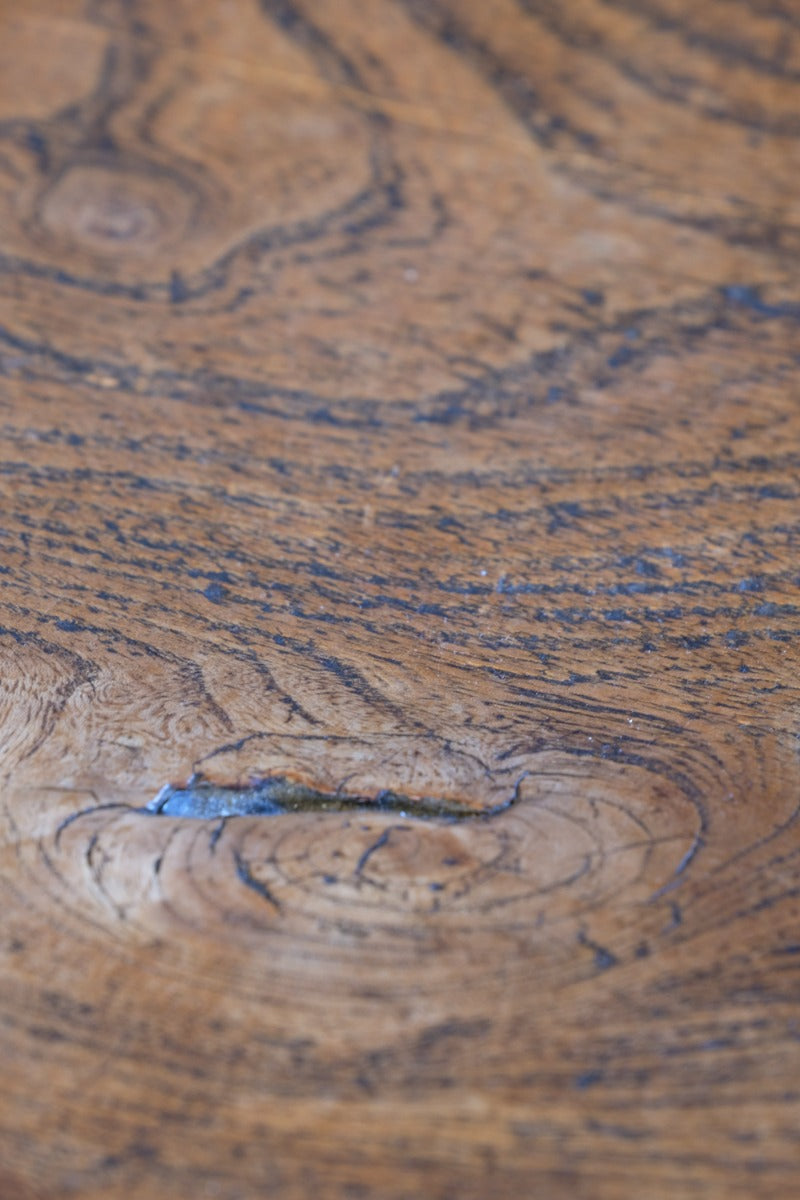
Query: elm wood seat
x=399 y=400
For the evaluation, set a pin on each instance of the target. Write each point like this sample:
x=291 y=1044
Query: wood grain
x=400 y=396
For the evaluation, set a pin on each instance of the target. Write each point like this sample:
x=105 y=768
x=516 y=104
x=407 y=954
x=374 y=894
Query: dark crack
x=256 y=885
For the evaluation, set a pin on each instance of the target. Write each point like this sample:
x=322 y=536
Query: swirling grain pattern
x=399 y=396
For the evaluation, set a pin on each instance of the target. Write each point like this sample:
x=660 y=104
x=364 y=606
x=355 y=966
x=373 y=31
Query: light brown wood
x=400 y=397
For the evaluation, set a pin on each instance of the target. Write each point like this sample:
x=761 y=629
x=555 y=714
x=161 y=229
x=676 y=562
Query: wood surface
x=400 y=396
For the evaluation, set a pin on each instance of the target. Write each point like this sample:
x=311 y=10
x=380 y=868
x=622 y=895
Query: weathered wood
x=400 y=397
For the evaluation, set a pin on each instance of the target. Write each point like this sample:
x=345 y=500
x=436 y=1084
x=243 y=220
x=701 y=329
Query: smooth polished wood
x=400 y=395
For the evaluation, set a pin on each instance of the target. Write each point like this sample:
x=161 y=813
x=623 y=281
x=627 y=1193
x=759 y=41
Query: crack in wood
x=277 y=795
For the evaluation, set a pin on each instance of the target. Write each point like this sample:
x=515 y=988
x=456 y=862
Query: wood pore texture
x=400 y=394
